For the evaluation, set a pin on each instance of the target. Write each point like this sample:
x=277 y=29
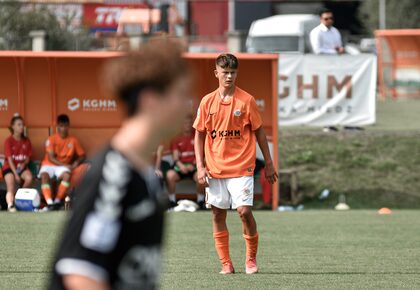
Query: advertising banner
x=104 y=17
x=323 y=90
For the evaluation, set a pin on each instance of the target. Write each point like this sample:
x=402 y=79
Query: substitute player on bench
x=63 y=154
x=227 y=125
x=184 y=167
x=113 y=239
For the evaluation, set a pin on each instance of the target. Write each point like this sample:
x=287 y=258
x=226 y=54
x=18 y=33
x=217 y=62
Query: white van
x=282 y=33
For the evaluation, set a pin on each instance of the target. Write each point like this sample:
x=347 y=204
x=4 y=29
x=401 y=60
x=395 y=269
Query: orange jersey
x=230 y=144
x=65 y=150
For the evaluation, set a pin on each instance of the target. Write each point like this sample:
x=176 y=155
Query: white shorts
x=226 y=192
x=53 y=171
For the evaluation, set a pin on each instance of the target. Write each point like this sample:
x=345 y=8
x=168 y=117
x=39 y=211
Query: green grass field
x=299 y=250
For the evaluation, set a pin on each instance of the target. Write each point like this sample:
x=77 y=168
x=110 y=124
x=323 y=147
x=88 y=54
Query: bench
x=289 y=186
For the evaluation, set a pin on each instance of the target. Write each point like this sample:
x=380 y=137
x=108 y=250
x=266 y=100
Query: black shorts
x=8 y=170
x=182 y=176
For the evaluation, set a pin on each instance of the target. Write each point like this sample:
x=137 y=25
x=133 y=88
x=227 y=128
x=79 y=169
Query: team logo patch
x=237 y=113
x=246 y=194
x=70 y=145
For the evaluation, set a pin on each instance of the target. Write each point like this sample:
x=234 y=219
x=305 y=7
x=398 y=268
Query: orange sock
x=221 y=240
x=62 y=190
x=251 y=245
x=46 y=192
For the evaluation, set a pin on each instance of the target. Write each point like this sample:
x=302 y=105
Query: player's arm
x=13 y=168
x=159 y=155
x=270 y=171
x=8 y=154
x=81 y=155
x=175 y=155
x=78 y=161
x=29 y=155
x=77 y=282
x=199 y=140
x=52 y=158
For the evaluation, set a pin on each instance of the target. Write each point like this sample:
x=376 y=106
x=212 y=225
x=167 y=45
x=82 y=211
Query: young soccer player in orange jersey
x=227 y=126
x=63 y=154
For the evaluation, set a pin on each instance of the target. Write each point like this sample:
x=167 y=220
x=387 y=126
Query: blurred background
x=204 y=25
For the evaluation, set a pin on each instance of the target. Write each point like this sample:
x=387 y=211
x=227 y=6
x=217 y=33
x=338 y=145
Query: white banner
x=323 y=90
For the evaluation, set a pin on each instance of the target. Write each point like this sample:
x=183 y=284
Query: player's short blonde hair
x=156 y=66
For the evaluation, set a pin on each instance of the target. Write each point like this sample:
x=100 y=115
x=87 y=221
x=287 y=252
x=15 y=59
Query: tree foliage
x=399 y=14
x=16 y=24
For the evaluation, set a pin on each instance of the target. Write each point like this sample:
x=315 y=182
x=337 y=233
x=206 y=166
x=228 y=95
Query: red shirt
x=18 y=150
x=185 y=146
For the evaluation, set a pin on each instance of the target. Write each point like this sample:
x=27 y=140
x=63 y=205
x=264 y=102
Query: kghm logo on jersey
x=226 y=134
x=92 y=105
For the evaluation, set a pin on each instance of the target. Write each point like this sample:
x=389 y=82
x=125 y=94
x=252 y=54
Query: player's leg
x=219 y=199
x=242 y=191
x=249 y=224
x=64 y=175
x=250 y=235
x=46 y=173
x=27 y=178
x=172 y=177
x=10 y=194
x=221 y=239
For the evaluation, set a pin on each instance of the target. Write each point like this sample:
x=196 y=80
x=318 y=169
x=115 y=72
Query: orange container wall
x=77 y=78
x=9 y=87
x=37 y=92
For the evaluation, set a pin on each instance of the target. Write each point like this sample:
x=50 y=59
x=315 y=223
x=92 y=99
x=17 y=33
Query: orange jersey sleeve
x=49 y=147
x=254 y=115
x=200 y=120
x=78 y=147
x=49 y=144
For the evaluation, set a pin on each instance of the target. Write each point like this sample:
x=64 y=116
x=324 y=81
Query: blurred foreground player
x=228 y=125
x=113 y=239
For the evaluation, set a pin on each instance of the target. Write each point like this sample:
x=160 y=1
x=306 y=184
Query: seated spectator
x=63 y=154
x=184 y=167
x=325 y=38
x=18 y=152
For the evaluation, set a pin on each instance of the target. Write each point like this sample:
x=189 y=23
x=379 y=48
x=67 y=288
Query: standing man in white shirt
x=326 y=39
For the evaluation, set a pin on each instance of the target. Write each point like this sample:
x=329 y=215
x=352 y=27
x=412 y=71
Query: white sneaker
x=11 y=208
